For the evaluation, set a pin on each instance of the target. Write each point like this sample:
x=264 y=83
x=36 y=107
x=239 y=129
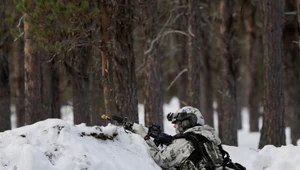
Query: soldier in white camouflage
x=195 y=146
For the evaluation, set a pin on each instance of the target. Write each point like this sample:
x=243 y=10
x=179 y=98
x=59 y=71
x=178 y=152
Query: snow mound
x=268 y=158
x=55 y=144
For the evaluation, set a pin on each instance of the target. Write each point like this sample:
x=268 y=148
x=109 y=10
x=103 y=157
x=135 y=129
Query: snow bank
x=54 y=144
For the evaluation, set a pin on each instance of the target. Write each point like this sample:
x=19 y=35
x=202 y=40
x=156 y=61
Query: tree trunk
x=95 y=89
x=56 y=104
x=153 y=90
x=18 y=54
x=94 y=73
x=194 y=55
x=206 y=71
x=32 y=66
x=228 y=102
x=240 y=91
x=107 y=77
x=273 y=130
x=95 y=101
x=290 y=52
x=80 y=86
x=207 y=93
x=124 y=63
x=18 y=75
x=182 y=54
x=252 y=67
x=118 y=63
x=295 y=116
x=51 y=99
x=295 y=130
x=5 y=123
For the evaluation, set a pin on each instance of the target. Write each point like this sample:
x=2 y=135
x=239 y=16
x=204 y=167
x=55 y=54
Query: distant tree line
x=108 y=56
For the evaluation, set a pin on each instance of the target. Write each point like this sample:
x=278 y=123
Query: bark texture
x=295 y=127
x=33 y=80
x=107 y=77
x=194 y=54
x=228 y=104
x=252 y=66
x=5 y=123
x=182 y=53
x=153 y=87
x=206 y=88
x=80 y=87
x=18 y=54
x=51 y=98
x=273 y=121
x=118 y=59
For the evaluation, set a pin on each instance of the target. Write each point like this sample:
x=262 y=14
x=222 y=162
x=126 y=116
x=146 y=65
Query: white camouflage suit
x=174 y=156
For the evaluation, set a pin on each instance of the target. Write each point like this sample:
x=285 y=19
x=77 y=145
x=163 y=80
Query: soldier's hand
x=140 y=130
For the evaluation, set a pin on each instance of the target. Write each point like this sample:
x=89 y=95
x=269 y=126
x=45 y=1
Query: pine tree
x=228 y=104
x=58 y=30
x=252 y=65
x=273 y=120
x=153 y=85
x=194 y=55
x=118 y=68
x=6 y=22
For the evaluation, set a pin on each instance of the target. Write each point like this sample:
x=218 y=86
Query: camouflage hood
x=207 y=132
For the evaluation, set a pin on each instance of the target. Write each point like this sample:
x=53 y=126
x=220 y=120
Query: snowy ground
x=56 y=144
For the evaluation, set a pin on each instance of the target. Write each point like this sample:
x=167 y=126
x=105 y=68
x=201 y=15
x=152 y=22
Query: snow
x=56 y=144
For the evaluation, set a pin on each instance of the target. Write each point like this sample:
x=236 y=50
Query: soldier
x=194 y=147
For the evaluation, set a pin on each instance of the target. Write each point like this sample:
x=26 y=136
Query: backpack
x=207 y=155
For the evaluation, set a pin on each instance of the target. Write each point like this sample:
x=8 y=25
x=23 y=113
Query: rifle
x=154 y=131
x=120 y=120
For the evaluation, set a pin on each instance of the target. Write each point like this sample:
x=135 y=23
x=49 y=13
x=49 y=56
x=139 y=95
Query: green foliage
x=57 y=25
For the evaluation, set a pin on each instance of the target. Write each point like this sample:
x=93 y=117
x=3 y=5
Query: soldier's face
x=176 y=128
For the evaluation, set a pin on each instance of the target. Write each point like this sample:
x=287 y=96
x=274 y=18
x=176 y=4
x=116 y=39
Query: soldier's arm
x=173 y=155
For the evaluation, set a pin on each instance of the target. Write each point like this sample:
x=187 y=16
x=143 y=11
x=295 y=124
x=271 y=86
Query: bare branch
x=159 y=36
x=51 y=59
x=291 y=13
x=18 y=26
x=19 y=23
x=140 y=67
x=184 y=70
x=168 y=22
x=190 y=31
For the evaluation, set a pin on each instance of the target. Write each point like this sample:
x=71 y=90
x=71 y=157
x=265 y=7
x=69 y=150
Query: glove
x=140 y=130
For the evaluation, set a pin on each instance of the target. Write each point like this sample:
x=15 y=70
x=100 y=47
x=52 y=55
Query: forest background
x=106 y=56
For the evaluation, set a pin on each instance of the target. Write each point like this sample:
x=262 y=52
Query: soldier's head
x=186 y=117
